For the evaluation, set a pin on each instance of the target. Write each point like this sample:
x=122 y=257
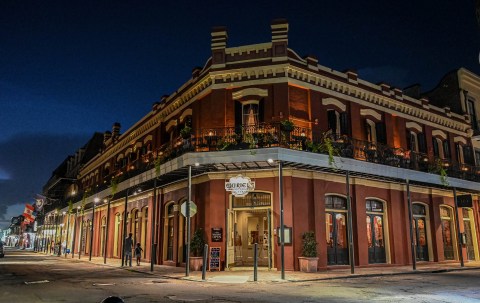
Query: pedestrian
x=138 y=253
x=127 y=250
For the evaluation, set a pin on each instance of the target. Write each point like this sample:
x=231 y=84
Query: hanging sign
x=217 y=234
x=240 y=186
x=464 y=201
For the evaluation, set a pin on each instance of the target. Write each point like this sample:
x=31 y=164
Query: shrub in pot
x=197 y=244
x=309 y=260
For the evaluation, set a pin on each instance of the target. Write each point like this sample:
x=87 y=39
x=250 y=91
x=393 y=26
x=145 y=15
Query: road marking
x=103 y=284
x=37 y=282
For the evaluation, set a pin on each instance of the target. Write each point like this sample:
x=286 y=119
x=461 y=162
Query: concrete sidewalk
x=243 y=275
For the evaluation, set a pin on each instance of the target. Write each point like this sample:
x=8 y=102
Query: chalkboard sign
x=214 y=263
x=217 y=234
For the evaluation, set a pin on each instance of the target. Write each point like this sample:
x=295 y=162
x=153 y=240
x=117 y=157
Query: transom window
x=419 y=209
x=253 y=199
x=335 y=202
x=374 y=206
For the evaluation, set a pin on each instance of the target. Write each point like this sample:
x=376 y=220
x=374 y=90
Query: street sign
x=464 y=201
x=193 y=209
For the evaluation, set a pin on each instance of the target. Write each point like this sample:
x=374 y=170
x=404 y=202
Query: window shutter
x=238 y=115
x=435 y=146
x=381 y=132
x=446 y=149
x=422 y=147
x=344 y=124
x=332 y=120
x=261 y=111
x=468 y=155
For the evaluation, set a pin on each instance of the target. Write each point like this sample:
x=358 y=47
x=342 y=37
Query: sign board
x=214 y=263
x=240 y=186
x=464 y=201
x=193 y=209
x=217 y=234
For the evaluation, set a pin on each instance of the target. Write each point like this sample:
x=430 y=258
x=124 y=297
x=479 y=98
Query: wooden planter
x=308 y=264
x=196 y=263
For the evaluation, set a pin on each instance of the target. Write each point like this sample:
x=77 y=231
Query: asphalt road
x=28 y=277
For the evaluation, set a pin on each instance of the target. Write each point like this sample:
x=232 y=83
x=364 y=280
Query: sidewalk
x=244 y=275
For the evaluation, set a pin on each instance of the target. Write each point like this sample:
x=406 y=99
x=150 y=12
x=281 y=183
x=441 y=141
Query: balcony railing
x=267 y=135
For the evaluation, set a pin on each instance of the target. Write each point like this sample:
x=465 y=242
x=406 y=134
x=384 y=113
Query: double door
x=375 y=238
x=337 y=238
x=420 y=238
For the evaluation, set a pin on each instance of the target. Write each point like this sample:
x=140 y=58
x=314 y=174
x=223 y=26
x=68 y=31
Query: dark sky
x=70 y=68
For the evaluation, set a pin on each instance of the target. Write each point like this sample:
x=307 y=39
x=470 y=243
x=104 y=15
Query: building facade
x=365 y=166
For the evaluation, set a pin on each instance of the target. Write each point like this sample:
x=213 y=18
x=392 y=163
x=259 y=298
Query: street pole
x=60 y=241
x=459 y=241
x=56 y=229
x=68 y=229
x=74 y=232
x=410 y=221
x=124 y=227
x=282 y=226
x=106 y=233
x=187 y=212
x=91 y=228
x=153 y=249
x=350 y=226
x=81 y=234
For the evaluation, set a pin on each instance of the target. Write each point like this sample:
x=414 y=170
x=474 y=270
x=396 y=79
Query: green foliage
x=186 y=132
x=286 y=125
x=197 y=243
x=309 y=245
x=437 y=168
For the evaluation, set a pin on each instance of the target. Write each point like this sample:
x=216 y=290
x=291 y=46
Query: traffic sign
x=193 y=209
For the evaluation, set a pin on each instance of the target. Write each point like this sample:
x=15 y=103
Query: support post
x=74 y=233
x=153 y=250
x=255 y=262
x=205 y=261
x=282 y=226
x=410 y=221
x=81 y=235
x=351 y=254
x=66 y=239
x=457 y=221
x=124 y=227
x=91 y=232
x=106 y=232
x=187 y=212
x=56 y=230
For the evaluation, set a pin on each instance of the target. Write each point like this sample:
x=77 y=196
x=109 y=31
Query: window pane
x=418 y=209
x=329 y=229
x=341 y=231
x=378 y=227
x=250 y=114
x=369 y=232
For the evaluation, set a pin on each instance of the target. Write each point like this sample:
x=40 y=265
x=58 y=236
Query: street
x=26 y=276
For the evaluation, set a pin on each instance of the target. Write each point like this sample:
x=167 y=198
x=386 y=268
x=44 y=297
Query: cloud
x=29 y=159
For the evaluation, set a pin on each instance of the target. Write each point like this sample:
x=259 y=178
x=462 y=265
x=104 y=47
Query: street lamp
x=95 y=201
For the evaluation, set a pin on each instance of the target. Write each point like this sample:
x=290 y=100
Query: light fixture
x=64 y=213
x=269 y=160
x=197 y=164
x=96 y=200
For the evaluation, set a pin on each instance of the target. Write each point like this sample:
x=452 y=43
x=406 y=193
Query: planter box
x=196 y=263
x=308 y=264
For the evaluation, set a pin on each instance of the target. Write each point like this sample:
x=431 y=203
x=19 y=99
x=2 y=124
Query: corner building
x=383 y=149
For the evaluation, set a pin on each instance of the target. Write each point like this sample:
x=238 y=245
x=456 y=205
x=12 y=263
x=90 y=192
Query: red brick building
x=230 y=118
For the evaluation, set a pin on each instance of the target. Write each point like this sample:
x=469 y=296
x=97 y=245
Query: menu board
x=217 y=234
x=214 y=263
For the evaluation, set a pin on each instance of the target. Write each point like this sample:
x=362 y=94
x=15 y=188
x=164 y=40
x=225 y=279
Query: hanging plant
x=326 y=146
x=70 y=207
x=437 y=168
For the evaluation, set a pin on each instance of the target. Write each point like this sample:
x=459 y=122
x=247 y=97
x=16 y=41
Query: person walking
x=138 y=253
x=127 y=250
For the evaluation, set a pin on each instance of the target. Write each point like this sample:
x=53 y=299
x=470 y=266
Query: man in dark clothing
x=127 y=249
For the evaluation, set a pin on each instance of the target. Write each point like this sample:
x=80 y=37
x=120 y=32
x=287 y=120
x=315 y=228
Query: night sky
x=70 y=68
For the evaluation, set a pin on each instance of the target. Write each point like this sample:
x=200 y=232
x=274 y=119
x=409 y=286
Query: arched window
x=448 y=233
x=375 y=231
x=469 y=233
x=420 y=236
x=169 y=239
x=117 y=235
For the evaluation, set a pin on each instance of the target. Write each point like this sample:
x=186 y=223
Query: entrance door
x=337 y=244
x=375 y=237
x=420 y=235
x=447 y=233
x=467 y=227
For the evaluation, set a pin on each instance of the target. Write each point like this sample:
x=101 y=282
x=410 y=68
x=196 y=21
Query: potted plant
x=186 y=132
x=197 y=244
x=309 y=260
x=286 y=125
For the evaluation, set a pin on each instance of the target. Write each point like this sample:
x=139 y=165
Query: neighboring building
x=230 y=118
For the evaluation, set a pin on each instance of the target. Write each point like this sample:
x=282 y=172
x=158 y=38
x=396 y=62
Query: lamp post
x=55 y=218
x=68 y=229
x=105 y=243
x=74 y=231
x=60 y=241
x=95 y=201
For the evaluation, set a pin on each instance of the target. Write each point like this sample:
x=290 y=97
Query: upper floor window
x=472 y=114
x=250 y=113
x=338 y=123
x=441 y=148
x=375 y=132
